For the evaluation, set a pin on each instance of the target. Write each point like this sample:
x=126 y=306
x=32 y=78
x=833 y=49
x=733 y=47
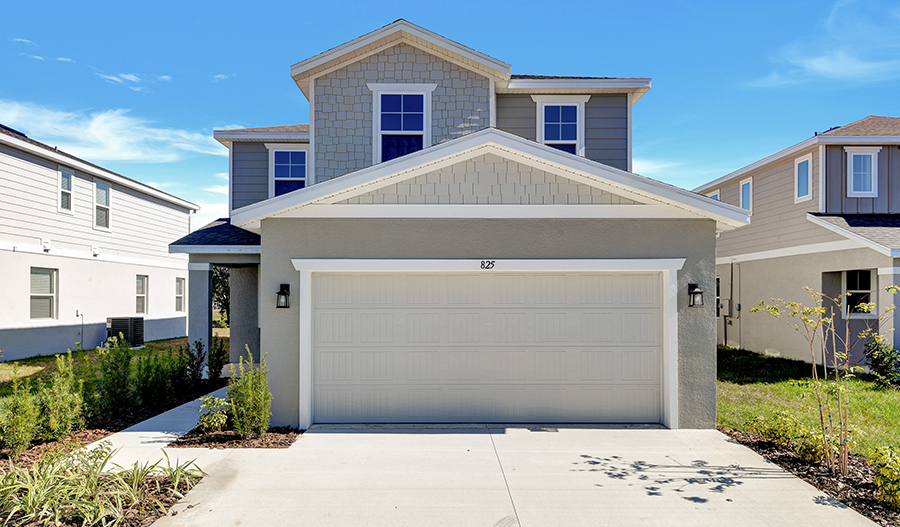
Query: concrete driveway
x=503 y=476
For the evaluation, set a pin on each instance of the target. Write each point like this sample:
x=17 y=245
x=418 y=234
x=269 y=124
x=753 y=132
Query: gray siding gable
x=249 y=174
x=888 y=200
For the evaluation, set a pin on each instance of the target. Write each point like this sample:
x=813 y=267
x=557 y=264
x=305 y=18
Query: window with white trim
x=43 y=301
x=714 y=195
x=862 y=171
x=560 y=121
x=101 y=205
x=859 y=288
x=66 y=180
x=747 y=194
x=287 y=167
x=401 y=119
x=179 y=294
x=141 y=286
x=803 y=178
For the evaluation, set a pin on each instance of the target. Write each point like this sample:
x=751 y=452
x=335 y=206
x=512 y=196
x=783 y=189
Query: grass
x=751 y=385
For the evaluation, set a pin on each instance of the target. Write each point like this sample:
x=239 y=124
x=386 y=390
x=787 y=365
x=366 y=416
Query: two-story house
x=80 y=244
x=824 y=215
x=448 y=242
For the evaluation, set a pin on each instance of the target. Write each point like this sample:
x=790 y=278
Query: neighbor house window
x=43 y=293
x=101 y=205
x=747 y=194
x=65 y=191
x=560 y=121
x=862 y=172
x=287 y=167
x=179 y=294
x=140 y=305
x=802 y=178
x=402 y=122
x=859 y=288
x=713 y=195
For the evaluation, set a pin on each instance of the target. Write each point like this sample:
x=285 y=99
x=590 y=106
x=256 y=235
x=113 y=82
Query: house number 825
x=487 y=264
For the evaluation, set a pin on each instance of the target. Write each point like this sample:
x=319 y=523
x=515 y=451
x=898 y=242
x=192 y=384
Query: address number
x=487 y=264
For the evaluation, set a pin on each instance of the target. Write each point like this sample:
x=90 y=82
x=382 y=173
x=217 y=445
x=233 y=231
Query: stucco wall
x=283 y=239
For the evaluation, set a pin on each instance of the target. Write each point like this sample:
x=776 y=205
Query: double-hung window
x=179 y=294
x=560 y=121
x=43 y=293
x=862 y=171
x=287 y=167
x=803 y=178
x=142 y=283
x=747 y=194
x=65 y=190
x=859 y=289
x=402 y=123
x=101 y=205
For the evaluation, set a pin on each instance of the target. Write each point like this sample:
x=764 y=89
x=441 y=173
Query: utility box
x=131 y=328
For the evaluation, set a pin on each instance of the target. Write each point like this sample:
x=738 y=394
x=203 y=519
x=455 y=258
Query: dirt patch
x=857 y=490
x=276 y=437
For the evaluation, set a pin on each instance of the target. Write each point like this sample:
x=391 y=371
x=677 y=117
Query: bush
x=18 y=417
x=884 y=360
x=786 y=430
x=114 y=382
x=158 y=378
x=213 y=414
x=60 y=401
x=250 y=398
x=887 y=481
x=196 y=360
x=780 y=428
x=218 y=358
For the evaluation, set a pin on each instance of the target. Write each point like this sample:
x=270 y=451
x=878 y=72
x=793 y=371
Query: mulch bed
x=276 y=437
x=857 y=490
x=67 y=444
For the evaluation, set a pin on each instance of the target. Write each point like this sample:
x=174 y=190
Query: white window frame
x=749 y=207
x=108 y=207
x=578 y=101
x=286 y=147
x=856 y=151
x=399 y=89
x=60 y=171
x=873 y=295
x=809 y=193
x=54 y=284
x=716 y=194
x=181 y=296
x=146 y=294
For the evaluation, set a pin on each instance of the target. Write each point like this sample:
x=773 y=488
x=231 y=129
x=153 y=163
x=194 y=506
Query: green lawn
x=753 y=385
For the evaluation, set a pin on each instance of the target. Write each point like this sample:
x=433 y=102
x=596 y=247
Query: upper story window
x=560 y=121
x=43 y=293
x=65 y=190
x=101 y=205
x=802 y=178
x=140 y=304
x=287 y=167
x=859 y=289
x=747 y=194
x=402 y=119
x=862 y=171
x=714 y=195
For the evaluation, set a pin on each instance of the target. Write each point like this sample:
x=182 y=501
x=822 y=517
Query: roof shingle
x=219 y=232
x=883 y=229
x=871 y=125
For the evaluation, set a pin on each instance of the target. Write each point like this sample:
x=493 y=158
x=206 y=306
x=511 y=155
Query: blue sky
x=139 y=87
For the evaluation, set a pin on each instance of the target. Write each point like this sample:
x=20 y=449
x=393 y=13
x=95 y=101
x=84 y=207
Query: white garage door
x=484 y=347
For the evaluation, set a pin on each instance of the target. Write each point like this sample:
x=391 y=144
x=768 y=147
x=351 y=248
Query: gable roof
x=220 y=233
x=390 y=35
x=878 y=231
x=660 y=199
x=20 y=141
x=871 y=125
x=293 y=133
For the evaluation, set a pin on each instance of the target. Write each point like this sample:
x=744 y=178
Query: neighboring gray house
x=825 y=214
x=461 y=244
x=80 y=244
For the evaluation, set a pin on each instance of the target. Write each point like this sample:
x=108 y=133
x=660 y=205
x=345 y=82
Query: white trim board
x=668 y=267
x=797 y=250
x=214 y=249
x=489 y=211
x=175 y=262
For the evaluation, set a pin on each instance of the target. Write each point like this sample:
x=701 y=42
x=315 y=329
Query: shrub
x=213 y=414
x=18 y=417
x=114 y=381
x=887 y=481
x=884 y=360
x=783 y=428
x=218 y=358
x=196 y=360
x=250 y=398
x=60 y=401
x=151 y=379
x=780 y=428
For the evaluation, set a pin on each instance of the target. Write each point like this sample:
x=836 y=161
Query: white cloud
x=111 y=78
x=120 y=78
x=219 y=77
x=65 y=59
x=208 y=213
x=23 y=40
x=223 y=176
x=138 y=89
x=161 y=185
x=129 y=77
x=107 y=135
x=164 y=78
x=649 y=167
x=218 y=189
x=36 y=57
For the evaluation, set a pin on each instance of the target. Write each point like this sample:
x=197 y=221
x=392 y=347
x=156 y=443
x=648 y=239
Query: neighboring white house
x=448 y=242
x=80 y=244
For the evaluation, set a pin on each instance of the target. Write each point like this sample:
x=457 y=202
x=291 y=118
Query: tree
x=222 y=292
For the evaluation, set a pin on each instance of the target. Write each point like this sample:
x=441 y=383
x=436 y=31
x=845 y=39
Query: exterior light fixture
x=695 y=296
x=283 y=296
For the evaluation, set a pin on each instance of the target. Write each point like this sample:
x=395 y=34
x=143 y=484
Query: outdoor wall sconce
x=695 y=296
x=283 y=296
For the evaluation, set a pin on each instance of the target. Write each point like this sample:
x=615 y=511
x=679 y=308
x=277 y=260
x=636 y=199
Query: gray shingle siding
x=249 y=174
x=606 y=130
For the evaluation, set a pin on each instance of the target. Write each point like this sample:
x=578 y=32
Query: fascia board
x=215 y=249
x=226 y=138
x=853 y=236
x=299 y=68
x=547 y=84
x=98 y=172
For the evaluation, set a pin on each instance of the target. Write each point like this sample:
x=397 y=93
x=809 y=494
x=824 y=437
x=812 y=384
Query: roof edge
x=887 y=251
